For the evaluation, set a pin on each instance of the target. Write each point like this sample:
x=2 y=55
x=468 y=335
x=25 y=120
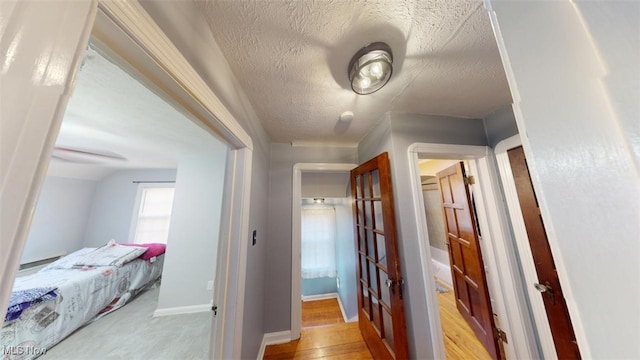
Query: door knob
x=389 y=284
x=546 y=288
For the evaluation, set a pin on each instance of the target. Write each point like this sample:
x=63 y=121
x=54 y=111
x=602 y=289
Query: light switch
x=255 y=232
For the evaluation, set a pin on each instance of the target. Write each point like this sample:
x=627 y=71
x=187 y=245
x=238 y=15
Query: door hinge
x=214 y=308
x=469 y=180
x=500 y=335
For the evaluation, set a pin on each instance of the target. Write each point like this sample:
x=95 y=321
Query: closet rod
x=154 y=182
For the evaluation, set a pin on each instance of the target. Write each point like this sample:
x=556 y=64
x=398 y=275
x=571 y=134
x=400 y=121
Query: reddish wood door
x=467 y=268
x=549 y=285
x=380 y=304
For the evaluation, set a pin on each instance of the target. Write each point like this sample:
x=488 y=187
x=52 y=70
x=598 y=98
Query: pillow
x=68 y=262
x=112 y=254
x=153 y=250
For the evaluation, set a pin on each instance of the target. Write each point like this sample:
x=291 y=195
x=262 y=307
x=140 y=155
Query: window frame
x=136 y=206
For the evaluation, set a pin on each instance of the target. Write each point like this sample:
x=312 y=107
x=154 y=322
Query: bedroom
x=110 y=146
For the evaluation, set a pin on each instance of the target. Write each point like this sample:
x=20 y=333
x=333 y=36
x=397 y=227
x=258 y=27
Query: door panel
x=467 y=268
x=561 y=328
x=380 y=304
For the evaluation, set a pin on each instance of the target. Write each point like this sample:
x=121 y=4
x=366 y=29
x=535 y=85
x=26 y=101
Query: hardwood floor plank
x=328 y=338
x=332 y=339
x=460 y=343
x=321 y=312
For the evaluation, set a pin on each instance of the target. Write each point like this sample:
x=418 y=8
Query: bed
x=74 y=291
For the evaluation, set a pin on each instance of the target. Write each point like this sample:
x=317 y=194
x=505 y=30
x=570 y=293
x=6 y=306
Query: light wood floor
x=459 y=340
x=324 y=335
x=321 y=312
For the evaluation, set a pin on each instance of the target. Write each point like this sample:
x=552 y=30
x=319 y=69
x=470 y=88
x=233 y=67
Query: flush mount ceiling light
x=370 y=68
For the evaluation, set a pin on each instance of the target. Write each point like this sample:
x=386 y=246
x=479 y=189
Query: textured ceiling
x=110 y=111
x=291 y=58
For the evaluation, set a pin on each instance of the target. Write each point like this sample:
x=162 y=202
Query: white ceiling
x=291 y=58
x=110 y=111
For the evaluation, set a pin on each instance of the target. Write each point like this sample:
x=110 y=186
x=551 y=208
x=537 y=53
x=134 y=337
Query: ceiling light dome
x=370 y=68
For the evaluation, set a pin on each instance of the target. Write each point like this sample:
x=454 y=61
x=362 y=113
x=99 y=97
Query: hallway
x=325 y=335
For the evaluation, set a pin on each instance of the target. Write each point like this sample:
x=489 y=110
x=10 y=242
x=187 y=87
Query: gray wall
x=500 y=125
x=190 y=261
x=324 y=184
x=113 y=203
x=60 y=219
x=184 y=24
x=578 y=79
x=394 y=134
x=283 y=157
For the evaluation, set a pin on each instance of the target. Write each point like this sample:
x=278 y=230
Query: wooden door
x=467 y=268
x=380 y=304
x=549 y=285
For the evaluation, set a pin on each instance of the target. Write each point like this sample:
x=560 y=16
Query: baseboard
x=274 y=338
x=182 y=310
x=344 y=314
x=320 y=297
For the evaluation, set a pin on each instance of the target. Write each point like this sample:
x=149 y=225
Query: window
x=318 y=242
x=153 y=214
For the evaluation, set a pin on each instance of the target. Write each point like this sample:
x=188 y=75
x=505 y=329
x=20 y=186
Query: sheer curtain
x=318 y=242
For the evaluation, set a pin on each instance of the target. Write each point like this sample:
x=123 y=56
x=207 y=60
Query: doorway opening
x=313 y=178
x=131 y=33
x=504 y=286
x=112 y=184
x=459 y=338
x=326 y=238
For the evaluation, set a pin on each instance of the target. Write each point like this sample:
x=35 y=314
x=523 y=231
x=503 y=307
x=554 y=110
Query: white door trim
x=523 y=247
x=296 y=210
x=130 y=18
x=507 y=300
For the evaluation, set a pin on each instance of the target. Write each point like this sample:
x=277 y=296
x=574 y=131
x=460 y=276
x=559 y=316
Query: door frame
x=296 y=242
x=505 y=286
x=171 y=72
x=523 y=246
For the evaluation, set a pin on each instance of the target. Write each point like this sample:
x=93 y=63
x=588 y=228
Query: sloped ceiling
x=112 y=112
x=291 y=58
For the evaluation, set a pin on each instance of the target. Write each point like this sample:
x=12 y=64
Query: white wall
x=113 y=205
x=190 y=261
x=574 y=67
x=60 y=218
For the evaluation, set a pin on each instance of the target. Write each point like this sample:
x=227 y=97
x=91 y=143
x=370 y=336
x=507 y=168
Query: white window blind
x=154 y=215
x=318 y=242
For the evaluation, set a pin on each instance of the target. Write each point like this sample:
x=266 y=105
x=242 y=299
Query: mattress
x=83 y=295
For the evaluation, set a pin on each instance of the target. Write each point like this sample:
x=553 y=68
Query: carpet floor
x=133 y=333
